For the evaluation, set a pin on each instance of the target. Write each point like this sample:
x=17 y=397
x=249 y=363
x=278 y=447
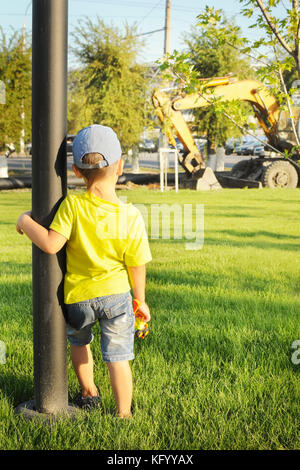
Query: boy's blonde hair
x=91 y=173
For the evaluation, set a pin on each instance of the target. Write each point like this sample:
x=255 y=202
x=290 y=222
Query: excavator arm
x=169 y=110
x=173 y=119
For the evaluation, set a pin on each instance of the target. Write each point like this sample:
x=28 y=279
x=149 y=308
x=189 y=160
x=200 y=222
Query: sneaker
x=88 y=403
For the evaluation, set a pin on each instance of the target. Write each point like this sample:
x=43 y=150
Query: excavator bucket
x=198 y=176
x=202 y=180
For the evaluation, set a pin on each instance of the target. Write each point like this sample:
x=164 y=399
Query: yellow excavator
x=273 y=171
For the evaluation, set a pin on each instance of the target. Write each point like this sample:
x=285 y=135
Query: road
x=147 y=160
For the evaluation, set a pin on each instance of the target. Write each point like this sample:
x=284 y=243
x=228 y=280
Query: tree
x=15 y=73
x=209 y=59
x=80 y=111
x=205 y=58
x=275 y=55
x=281 y=38
x=286 y=31
x=112 y=86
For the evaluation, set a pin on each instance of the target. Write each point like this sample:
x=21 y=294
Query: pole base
x=27 y=409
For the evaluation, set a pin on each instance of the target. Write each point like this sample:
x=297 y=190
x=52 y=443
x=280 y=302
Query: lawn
x=215 y=371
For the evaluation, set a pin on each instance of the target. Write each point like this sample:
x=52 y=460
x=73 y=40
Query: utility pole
x=167 y=46
x=167 y=50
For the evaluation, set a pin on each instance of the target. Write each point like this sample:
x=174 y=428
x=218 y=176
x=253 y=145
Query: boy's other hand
x=19 y=223
x=144 y=311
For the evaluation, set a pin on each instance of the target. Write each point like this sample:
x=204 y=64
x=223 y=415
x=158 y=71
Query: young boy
x=107 y=249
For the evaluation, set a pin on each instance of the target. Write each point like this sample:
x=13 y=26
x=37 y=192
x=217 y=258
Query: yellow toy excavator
x=275 y=171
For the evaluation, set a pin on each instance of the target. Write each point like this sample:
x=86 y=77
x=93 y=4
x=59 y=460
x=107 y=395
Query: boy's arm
x=137 y=278
x=47 y=240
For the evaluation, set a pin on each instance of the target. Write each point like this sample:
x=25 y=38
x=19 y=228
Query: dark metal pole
x=49 y=170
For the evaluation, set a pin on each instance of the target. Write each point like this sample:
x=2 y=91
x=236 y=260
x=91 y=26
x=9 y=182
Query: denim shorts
x=116 y=319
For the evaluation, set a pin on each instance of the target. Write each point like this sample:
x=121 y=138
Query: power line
x=139 y=5
x=152 y=9
x=118 y=2
x=81 y=15
x=149 y=32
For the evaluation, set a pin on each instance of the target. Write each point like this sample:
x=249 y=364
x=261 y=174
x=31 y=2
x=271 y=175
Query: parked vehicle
x=201 y=143
x=70 y=138
x=10 y=149
x=147 y=145
x=229 y=146
x=245 y=148
x=250 y=147
x=29 y=148
x=259 y=151
x=238 y=149
x=179 y=145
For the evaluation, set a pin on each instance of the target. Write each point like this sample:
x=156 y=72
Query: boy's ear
x=76 y=171
x=120 y=167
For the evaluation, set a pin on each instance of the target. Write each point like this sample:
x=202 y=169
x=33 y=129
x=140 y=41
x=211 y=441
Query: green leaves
x=208 y=55
x=15 y=73
x=178 y=69
x=275 y=55
x=110 y=87
x=216 y=26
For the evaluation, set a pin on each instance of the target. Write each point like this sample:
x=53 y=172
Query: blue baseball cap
x=96 y=139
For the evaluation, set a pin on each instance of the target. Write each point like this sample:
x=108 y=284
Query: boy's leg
x=121 y=382
x=83 y=364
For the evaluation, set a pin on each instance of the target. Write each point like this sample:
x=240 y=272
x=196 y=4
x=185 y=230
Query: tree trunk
x=297 y=62
x=135 y=160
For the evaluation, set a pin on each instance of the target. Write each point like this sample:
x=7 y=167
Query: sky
x=149 y=15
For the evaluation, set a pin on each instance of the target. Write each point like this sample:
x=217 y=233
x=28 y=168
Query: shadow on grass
x=15 y=305
x=229 y=242
x=236 y=215
x=252 y=244
x=16 y=387
x=234 y=280
x=255 y=243
x=263 y=233
x=283 y=201
x=233 y=292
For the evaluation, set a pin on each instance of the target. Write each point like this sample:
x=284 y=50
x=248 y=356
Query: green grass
x=216 y=370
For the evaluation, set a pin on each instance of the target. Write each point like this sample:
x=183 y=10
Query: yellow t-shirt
x=103 y=238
